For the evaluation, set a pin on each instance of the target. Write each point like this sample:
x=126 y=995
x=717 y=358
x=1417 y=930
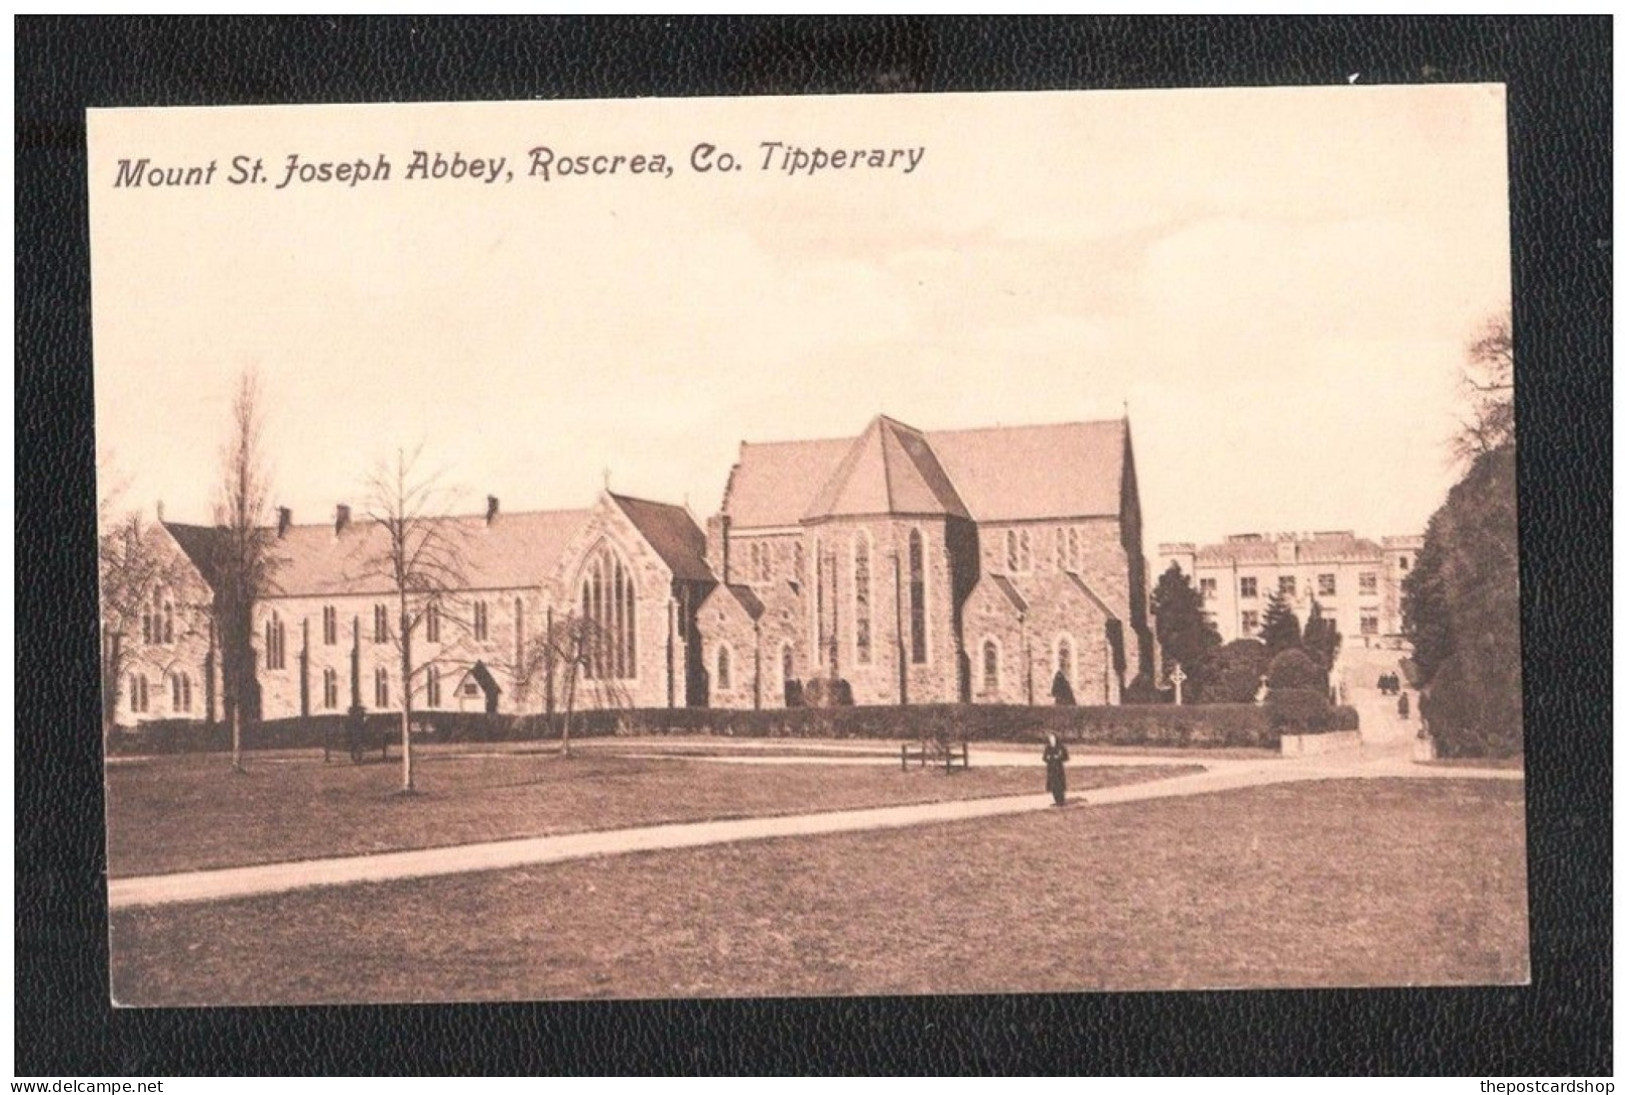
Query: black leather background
x=1559 y=75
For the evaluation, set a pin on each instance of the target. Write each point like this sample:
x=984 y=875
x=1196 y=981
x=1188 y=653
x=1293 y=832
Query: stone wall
x=725 y=625
x=161 y=663
x=1062 y=625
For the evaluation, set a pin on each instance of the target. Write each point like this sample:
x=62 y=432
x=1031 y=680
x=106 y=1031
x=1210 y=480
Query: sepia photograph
x=820 y=546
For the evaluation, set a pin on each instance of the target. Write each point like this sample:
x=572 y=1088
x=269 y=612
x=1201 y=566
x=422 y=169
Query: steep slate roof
x=1095 y=597
x=1008 y=588
x=774 y=483
x=671 y=531
x=1017 y=473
x=514 y=550
x=1000 y=474
x=748 y=600
x=889 y=469
x=197 y=543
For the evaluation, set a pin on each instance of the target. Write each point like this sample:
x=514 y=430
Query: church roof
x=1005 y=586
x=671 y=531
x=1011 y=473
x=889 y=469
x=775 y=482
x=1110 y=612
x=1024 y=473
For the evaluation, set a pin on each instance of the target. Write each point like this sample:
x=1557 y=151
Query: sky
x=1278 y=284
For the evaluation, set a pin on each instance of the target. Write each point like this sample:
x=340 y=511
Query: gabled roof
x=1005 y=586
x=1013 y=473
x=889 y=469
x=1025 y=473
x=748 y=600
x=1111 y=613
x=671 y=531
x=197 y=544
x=774 y=483
x=513 y=550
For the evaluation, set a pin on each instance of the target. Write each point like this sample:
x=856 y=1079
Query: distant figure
x=1062 y=691
x=1055 y=758
x=1404 y=705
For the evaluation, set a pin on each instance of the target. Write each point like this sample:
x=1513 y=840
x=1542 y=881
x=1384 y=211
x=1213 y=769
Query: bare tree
x=420 y=555
x=135 y=569
x=569 y=661
x=246 y=559
x=1486 y=383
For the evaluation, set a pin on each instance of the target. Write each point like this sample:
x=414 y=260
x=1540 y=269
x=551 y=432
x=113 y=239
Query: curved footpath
x=1387 y=761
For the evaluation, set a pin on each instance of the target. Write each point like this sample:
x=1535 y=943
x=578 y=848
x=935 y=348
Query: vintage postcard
x=1005 y=543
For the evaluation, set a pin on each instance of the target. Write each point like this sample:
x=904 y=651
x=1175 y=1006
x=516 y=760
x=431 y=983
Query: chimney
x=716 y=545
x=160 y=511
x=341 y=518
x=284 y=518
x=490 y=508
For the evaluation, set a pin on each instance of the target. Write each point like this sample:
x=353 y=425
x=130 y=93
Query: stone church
x=915 y=567
x=930 y=567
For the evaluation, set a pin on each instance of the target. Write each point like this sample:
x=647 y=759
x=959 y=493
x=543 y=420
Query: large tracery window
x=609 y=603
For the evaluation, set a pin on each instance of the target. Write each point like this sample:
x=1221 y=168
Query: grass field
x=189 y=812
x=1367 y=882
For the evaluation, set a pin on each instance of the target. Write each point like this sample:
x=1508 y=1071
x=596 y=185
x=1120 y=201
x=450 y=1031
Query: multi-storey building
x=970 y=565
x=1356 y=581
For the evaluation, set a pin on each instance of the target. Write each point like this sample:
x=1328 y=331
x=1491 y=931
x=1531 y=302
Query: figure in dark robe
x=1404 y=705
x=1061 y=690
x=1055 y=758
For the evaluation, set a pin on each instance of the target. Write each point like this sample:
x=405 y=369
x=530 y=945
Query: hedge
x=1308 y=711
x=1230 y=724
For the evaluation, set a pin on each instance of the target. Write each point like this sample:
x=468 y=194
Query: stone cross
x=1178 y=677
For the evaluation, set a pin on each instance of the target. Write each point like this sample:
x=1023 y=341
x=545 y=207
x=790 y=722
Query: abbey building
x=913 y=567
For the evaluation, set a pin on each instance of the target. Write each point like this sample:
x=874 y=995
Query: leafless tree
x=570 y=650
x=246 y=558
x=135 y=570
x=420 y=555
x=1486 y=383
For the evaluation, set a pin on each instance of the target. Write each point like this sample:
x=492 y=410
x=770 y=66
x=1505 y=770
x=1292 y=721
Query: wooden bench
x=357 y=741
x=951 y=756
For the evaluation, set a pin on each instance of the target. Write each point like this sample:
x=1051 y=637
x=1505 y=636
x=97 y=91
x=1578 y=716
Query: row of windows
x=826 y=613
x=433 y=692
x=992 y=657
x=1018 y=549
x=1287 y=586
x=480 y=626
x=759 y=561
x=180 y=693
x=158 y=623
x=1368 y=622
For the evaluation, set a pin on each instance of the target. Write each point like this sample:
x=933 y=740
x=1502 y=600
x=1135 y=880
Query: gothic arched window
x=609 y=604
x=990 y=666
x=860 y=599
x=275 y=642
x=916 y=596
x=725 y=668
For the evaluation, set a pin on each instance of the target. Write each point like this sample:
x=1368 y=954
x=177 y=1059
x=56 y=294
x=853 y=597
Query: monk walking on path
x=1055 y=758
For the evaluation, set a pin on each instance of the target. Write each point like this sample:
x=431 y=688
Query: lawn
x=1359 y=882
x=189 y=812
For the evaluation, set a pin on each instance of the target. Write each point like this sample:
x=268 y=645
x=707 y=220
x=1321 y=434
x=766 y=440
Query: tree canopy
x=1461 y=598
x=1280 y=630
x=1184 y=634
